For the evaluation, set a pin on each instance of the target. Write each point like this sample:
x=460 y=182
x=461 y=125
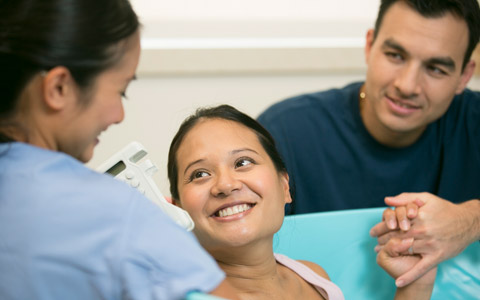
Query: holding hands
x=393 y=260
x=436 y=229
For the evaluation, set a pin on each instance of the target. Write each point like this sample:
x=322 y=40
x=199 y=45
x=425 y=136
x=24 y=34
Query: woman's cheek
x=193 y=201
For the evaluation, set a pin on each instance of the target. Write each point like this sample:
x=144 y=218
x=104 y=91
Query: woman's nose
x=225 y=183
x=120 y=114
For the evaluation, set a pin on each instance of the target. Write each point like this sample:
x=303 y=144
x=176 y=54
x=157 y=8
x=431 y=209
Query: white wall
x=195 y=9
x=247 y=53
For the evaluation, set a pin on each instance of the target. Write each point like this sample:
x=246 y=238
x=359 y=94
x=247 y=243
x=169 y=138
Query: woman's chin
x=87 y=154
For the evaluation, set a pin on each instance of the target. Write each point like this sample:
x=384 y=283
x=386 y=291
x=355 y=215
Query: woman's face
x=86 y=123
x=229 y=185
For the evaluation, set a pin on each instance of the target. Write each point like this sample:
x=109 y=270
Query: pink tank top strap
x=325 y=287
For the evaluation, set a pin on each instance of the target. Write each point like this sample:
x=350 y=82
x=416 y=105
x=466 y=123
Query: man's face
x=414 y=71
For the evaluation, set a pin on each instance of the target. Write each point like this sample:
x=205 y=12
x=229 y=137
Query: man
x=410 y=127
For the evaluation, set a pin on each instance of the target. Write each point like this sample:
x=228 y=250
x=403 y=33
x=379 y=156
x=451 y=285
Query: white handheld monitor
x=131 y=166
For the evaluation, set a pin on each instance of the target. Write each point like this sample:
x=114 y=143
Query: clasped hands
x=419 y=232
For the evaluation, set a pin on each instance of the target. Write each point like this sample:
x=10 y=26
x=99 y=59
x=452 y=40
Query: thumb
x=420 y=269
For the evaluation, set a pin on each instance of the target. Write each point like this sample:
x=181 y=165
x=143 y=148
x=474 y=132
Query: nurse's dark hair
x=468 y=10
x=222 y=112
x=37 y=35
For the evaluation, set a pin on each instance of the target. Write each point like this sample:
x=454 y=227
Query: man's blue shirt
x=334 y=163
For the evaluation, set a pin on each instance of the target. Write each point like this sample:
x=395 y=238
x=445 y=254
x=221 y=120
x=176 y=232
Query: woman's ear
x=286 y=187
x=58 y=88
x=169 y=199
x=175 y=202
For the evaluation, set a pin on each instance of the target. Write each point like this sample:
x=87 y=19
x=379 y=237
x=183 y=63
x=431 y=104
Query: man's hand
x=440 y=229
x=395 y=222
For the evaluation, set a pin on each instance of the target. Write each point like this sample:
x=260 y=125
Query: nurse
x=66 y=231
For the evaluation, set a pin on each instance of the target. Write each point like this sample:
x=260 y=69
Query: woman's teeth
x=233 y=210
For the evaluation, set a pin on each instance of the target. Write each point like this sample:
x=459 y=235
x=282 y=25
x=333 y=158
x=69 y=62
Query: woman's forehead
x=211 y=135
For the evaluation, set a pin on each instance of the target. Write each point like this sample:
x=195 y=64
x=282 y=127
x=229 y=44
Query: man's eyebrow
x=390 y=43
x=447 y=62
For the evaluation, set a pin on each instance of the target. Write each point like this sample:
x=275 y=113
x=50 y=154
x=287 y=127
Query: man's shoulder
x=465 y=104
x=468 y=94
x=309 y=102
x=472 y=93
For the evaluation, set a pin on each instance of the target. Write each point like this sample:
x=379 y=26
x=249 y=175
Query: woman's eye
x=242 y=162
x=124 y=95
x=198 y=174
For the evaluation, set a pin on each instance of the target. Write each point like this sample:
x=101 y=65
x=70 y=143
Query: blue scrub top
x=68 y=232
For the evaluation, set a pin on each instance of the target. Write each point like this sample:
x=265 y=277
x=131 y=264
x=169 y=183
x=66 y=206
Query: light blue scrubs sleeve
x=163 y=260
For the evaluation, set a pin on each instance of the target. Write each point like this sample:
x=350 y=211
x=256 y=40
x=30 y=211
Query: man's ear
x=58 y=88
x=369 y=39
x=286 y=187
x=466 y=76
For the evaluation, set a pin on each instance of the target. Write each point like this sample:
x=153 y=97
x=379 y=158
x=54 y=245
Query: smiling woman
x=61 y=90
x=225 y=171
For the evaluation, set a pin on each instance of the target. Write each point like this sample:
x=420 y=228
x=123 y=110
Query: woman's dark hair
x=467 y=10
x=224 y=112
x=38 y=35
